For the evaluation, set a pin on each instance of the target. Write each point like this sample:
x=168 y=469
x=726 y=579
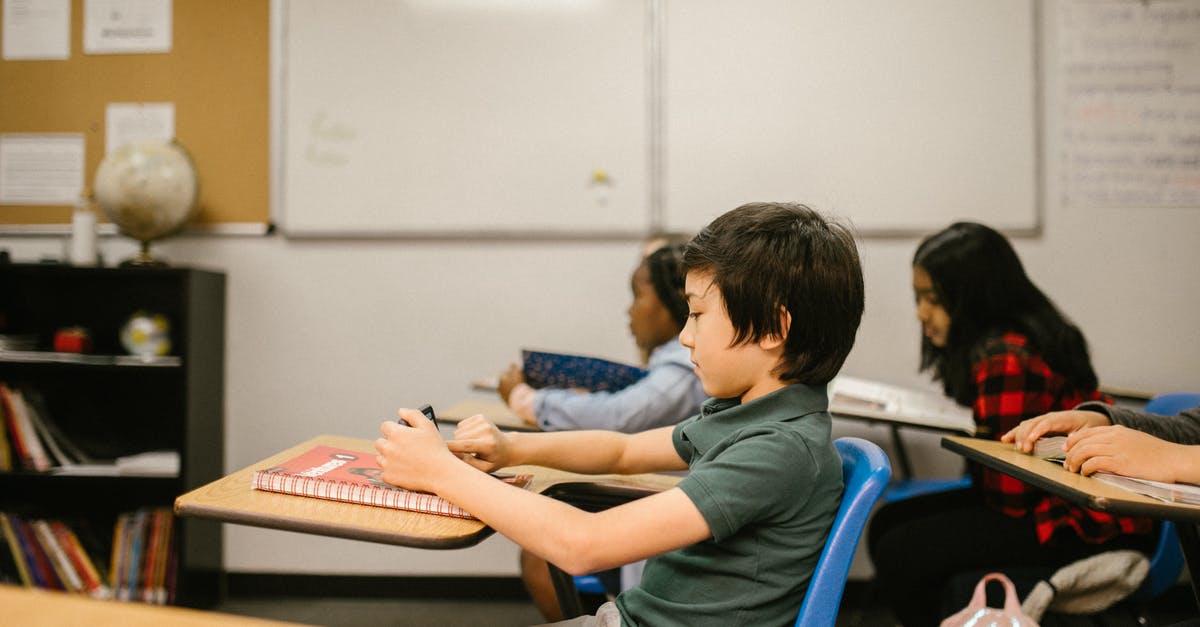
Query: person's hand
x=1123 y=451
x=1026 y=433
x=509 y=380
x=481 y=444
x=411 y=456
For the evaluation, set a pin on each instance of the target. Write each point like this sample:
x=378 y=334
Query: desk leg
x=564 y=589
x=1189 y=542
x=901 y=454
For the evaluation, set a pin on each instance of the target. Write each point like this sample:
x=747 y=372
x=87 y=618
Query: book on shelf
x=861 y=398
x=48 y=553
x=564 y=370
x=1169 y=492
x=33 y=440
x=338 y=474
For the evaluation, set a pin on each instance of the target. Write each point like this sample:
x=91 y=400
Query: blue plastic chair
x=1167 y=562
x=865 y=471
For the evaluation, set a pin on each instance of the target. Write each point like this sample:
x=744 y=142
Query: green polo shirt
x=768 y=481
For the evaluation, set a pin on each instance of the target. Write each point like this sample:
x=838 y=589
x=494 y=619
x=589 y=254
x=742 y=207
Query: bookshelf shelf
x=112 y=405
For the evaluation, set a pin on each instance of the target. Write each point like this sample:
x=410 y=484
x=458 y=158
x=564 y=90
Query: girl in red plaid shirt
x=1001 y=347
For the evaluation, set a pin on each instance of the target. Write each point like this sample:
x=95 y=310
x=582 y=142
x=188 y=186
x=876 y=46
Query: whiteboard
x=901 y=116
x=455 y=116
x=624 y=117
x=1127 y=78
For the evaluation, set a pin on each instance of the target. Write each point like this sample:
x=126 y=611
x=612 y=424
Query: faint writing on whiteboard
x=1129 y=76
x=328 y=141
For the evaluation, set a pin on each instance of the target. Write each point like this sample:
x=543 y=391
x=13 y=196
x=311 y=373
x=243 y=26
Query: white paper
x=126 y=26
x=41 y=169
x=37 y=29
x=126 y=122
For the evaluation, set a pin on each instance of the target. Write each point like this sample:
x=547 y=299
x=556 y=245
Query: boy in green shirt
x=775 y=296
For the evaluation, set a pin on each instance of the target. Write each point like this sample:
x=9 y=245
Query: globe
x=146 y=334
x=147 y=189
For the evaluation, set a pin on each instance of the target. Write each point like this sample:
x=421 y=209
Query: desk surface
x=494 y=410
x=1075 y=488
x=35 y=606
x=231 y=499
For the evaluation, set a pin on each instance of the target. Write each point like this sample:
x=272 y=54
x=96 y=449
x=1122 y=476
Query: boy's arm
x=590 y=452
x=575 y=540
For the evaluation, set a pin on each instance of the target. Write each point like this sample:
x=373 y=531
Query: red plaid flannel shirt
x=1013 y=384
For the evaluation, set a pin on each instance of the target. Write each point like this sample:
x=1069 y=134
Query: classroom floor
x=1176 y=608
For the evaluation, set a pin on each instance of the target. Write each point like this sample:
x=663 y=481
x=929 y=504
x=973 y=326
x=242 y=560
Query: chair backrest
x=1173 y=403
x=1167 y=562
x=865 y=472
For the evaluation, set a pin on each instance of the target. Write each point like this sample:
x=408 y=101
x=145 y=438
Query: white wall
x=330 y=336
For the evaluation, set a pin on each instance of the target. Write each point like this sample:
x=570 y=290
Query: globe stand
x=143 y=259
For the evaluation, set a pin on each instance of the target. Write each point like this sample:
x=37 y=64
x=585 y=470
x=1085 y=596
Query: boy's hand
x=509 y=380
x=1026 y=433
x=1123 y=451
x=411 y=456
x=481 y=444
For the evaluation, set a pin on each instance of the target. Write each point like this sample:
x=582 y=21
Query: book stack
x=142 y=567
x=46 y=553
x=29 y=439
x=49 y=554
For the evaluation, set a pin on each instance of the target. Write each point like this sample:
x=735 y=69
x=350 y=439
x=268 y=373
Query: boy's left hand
x=1123 y=451
x=411 y=456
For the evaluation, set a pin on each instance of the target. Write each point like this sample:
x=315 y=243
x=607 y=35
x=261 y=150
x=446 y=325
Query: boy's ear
x=770 y=342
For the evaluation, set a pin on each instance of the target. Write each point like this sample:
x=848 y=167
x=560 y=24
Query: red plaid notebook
x=337 y=474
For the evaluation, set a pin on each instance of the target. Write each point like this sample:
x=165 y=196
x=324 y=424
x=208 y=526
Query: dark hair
x=767 y=256
x=981 y=283
x=666 y=275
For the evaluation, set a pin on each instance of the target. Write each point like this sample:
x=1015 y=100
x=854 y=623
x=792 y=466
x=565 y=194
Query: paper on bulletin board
x=126 y=122
x=41 y=169
x=126 y=26
x=37 y=30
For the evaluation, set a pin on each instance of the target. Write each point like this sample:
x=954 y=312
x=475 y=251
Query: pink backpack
x=978 y=614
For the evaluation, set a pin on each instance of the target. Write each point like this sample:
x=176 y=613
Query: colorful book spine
x=39 y=563
x=14 y=546
x=57 y=556
x=93 y=586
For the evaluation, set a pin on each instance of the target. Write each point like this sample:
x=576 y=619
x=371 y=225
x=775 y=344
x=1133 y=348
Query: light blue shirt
x=670 y=392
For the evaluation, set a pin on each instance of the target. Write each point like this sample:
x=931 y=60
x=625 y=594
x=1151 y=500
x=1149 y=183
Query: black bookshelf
x=112 y=406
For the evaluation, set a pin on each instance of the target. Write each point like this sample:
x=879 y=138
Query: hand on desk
x=1055 y=422
x=1130 y=452
x=411 y=456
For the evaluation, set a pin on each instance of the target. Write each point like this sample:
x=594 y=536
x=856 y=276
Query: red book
x=336 y=474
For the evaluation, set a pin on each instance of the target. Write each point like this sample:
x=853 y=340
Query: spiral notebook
x=338 y=474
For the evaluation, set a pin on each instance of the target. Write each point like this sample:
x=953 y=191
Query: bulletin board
x=217 y=74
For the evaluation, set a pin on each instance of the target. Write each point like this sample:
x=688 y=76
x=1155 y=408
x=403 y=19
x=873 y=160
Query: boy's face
x=726 y=371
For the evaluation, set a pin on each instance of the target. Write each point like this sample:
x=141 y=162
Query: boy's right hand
x=1070 y=421
x=481 y=444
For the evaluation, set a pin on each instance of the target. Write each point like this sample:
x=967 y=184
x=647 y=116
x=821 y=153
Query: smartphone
x=427 y=409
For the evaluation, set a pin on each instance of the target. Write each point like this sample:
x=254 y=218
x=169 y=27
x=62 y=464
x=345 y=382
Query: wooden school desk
x=1085 y=492
x=494 y=410
x=231 y=499
x=35 y=606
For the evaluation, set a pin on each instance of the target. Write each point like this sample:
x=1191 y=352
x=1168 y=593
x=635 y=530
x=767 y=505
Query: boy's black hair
x=765 y=257
x=981 y=283
x=666 y=276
